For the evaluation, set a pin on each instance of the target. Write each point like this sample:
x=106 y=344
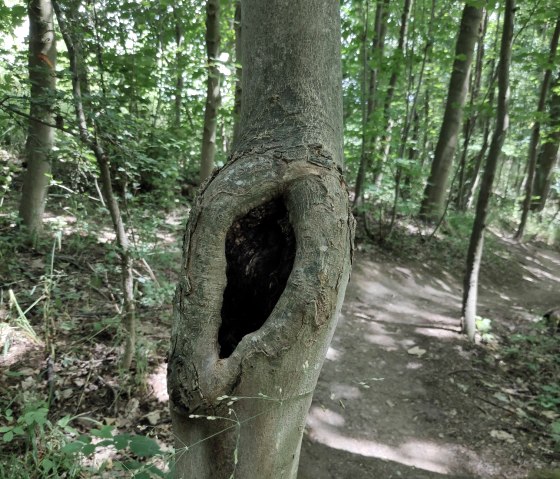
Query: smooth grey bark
x=79 y=78
x=436 y=187
x=212 y=89
x=373 y=62
x=548 y=155
x=40 y=135
x=474 y=254
x=536 y=133
x=257 y=388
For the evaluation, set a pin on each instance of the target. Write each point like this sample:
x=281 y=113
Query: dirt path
x=398 y=396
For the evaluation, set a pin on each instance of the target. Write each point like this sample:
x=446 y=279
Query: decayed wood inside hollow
x=260 y=251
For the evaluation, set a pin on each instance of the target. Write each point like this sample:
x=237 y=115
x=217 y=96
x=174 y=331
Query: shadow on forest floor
x=402 y=394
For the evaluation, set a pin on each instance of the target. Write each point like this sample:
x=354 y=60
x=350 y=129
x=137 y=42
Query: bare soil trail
x=403 y=395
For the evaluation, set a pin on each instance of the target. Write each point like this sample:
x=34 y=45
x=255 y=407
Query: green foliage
x=538 y=349
x=484 y=327
x=59 y=450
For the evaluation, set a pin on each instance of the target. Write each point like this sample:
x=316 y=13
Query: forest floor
x=402 y=394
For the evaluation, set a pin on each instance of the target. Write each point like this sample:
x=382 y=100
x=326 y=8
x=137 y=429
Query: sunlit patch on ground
x=158 y=383
x=426 y=455
x=333 y=354
x=14 y=345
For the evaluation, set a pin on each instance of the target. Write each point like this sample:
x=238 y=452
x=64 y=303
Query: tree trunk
x=399 y=53
x=536 y=133
x=40 y=136
x=212 y=89
x=549 y=151
x=377 y=48
x=238 y=61
x=474 y=254
x=179 y=55
x=266 y=257
x=79 y=77
x=435 y=193
x=471 y=122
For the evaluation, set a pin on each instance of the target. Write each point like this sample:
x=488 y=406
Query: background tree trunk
x=387 y=122
x=40 y=136
x=435 y=193
x=238 y=61
x=179 y=54
x=549 y=150
x=212 y=89
x=471 y=122
x=377 y=48
x=253 y=319
x=536 y=133
x=79 y=77
x=474 y=254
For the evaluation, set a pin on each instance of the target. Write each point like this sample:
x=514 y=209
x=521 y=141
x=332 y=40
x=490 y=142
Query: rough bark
x=474 y=254
x=212 y=89
x=266 y=255
x=79 y=77
x=40 y=136
x=376 y=56
x=536 y=133
x=436 y=188
x=548 y=155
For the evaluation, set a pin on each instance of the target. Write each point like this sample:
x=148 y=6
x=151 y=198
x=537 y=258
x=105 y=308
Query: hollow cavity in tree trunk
x=260 y=252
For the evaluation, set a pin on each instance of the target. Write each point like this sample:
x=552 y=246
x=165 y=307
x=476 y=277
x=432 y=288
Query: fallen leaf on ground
x=502 y=435
x=416 y=351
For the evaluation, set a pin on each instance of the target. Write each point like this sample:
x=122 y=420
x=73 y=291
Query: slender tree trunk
x=266 y=256
x=92 y=142
x=470 y=124
x=435 y=193
x=549 y=151
x=238 y=73
x=377 y=48
x=472 y=168
x=40 y=136
x=536 y=133
x=387 y=122
x=212 y=89
x=474 y=254
x=179 y=55
x=472 y=173
x=426 y=143
x=411 y=114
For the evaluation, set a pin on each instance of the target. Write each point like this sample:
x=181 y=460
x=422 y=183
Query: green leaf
x=121 y=441
x=144 y=446
x=63 y=422
x=8 y=436
x=47 y=465
x=106 y=432
x=89 y=449
x=73 y=447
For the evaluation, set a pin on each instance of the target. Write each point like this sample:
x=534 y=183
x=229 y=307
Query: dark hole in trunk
x=260 y=251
